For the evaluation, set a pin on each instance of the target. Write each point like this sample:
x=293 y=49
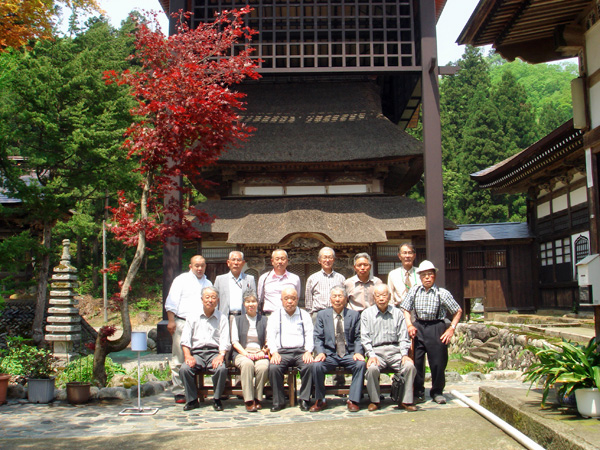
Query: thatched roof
x=342 y=219
x=319 y=122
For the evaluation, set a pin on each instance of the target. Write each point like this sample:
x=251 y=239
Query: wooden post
x=432 y=140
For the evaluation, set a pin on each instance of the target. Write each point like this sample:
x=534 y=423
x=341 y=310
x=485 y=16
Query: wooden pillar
x=432 y=140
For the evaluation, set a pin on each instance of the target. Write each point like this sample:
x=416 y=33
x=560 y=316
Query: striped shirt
x=318 y=289
x=383 y=328
x=430 y=305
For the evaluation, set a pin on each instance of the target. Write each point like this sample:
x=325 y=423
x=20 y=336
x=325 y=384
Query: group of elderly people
x=351 y=323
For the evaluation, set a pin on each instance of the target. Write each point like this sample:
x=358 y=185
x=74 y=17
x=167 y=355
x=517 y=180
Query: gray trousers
x=389 y=358
x=177 y=358
x=203 y=359
x=290 y=357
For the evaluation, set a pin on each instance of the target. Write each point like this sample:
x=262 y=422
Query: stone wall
x=510 y=345
x=16 y=319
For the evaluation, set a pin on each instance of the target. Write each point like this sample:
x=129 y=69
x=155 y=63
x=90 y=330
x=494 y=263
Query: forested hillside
x=490 y=110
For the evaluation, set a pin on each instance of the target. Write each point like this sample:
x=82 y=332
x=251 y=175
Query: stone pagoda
x=64 y=322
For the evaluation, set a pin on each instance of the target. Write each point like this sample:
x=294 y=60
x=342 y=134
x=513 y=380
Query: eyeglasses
x=407 y=253
x=380 y=295
x=338 y=296
x=327 y=258
x=212 y=297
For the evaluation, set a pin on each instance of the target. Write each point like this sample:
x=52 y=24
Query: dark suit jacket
x=325 y=332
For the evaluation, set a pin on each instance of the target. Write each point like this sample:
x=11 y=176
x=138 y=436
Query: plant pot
x=78 y=392
x=588 y=402
x=4 y=378
x=40 y=390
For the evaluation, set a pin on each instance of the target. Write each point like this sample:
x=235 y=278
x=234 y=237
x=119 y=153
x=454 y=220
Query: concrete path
x=98 y=425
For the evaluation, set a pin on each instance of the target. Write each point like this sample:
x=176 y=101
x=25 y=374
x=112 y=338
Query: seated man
x=290 y=341
x=337 y=343
x=385 y=339
x=205 y=341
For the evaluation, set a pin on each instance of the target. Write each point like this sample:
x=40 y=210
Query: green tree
x=67 y=125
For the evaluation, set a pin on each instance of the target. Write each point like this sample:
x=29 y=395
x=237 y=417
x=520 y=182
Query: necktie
x=407 y=283
x=340 y=339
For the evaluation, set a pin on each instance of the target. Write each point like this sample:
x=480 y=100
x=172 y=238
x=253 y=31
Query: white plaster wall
x=348 y=189
x=543 y=209
x=578 y=196
x=305 y=190
x=559 y=203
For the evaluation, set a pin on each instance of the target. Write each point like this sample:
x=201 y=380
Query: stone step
x=63 y=328
x=64 y=319
x=62 y=337
x=62 y=310
x=481 y=355
x=63 y=301
x=473 y=360
x=488 y=350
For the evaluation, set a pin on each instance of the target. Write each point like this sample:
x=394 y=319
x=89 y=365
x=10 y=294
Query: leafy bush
x=143 y=304
x=82 y=368
x=162 y=373
x=20 y=359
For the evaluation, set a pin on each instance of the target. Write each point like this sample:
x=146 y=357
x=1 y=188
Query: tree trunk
x=42 y=286
x=103 y=345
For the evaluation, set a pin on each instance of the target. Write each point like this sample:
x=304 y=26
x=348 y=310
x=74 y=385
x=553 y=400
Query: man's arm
x=319 y=336
x=358 y=348
x=365 y=335
x=308 y=297
x=187 y=355
x=445 y=338
x=172 y=303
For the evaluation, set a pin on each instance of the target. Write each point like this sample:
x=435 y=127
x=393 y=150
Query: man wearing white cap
x=430 y=304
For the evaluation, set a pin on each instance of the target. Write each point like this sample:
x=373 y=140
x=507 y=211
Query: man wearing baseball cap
x=430 y=304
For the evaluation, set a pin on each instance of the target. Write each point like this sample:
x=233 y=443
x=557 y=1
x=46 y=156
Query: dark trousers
x=290 y=357
x=331 y=362
x=427 y=342
x=203 y=359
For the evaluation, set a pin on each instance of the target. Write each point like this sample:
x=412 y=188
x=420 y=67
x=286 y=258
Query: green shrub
x=143 y=304
x=161 y=373
x=20 y=359
x=82 y=369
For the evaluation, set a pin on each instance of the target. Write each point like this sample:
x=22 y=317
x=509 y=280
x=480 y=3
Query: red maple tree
x=187 y=115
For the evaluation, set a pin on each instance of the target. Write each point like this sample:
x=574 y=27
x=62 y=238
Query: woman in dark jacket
x=248 y=338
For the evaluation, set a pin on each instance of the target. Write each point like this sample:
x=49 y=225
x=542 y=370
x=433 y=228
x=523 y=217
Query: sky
x=453 y=19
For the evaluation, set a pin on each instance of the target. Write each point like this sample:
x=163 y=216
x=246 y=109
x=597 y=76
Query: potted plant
x=569 y=367
x=38 y=367
x=78 y=392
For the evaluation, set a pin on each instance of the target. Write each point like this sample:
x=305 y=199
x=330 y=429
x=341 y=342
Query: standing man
x=232 y=285
x=319 y=284
x=272 y=284
x=430 y=305
x=360 y=287
x=386 y=343
x=184 y=301
x=205 y=341
x=400 y=280
x=337 y=343
x=290 y=341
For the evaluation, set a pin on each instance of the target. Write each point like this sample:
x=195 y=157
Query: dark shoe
x=179 y=398
x=224 y=397
x=440 y=399
x=373 y=406
x=304 y=405
x=191 y=405
x=420 y=398
x=257 y=405
x=319 y=405
x=218 y=406
x=277 y=408
x=250 y=406
x=352 y=407
x=408 y=406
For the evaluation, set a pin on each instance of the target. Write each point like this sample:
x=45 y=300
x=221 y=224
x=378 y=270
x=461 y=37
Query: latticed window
x=485 y=259
x=582 y=248
x=304 y=35
x=546 y=254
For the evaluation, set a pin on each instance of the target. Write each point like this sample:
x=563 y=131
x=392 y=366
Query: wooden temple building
x=565 y=207
x=330 y=162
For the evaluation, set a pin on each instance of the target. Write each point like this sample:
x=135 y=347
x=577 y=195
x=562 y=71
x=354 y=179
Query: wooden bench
x=204 y=390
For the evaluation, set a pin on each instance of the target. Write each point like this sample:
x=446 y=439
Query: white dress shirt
x=185 y=295
x=206 y=332
x=285 y=331
x=272 y=284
